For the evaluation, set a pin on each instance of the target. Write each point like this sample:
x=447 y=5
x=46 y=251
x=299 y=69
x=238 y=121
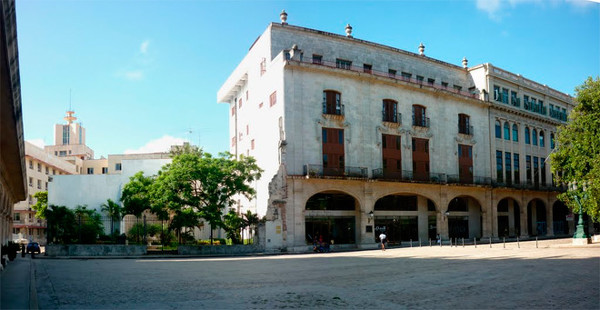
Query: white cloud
x=134 y=75
x=162 y=144
x=144 y=47
x=37 y=142
x=496 y=9
x=489 y=6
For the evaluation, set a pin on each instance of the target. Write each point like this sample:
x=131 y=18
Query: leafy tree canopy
x=41 y=204
x=136 y=194
x=578 y=155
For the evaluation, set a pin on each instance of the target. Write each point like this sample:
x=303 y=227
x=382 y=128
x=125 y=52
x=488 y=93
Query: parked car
x=33 y=247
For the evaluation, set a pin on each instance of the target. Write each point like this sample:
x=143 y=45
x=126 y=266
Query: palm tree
x=114 y=211
x=251 y=220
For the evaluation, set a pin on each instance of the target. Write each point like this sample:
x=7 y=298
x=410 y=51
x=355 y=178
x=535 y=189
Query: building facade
x=358 y=138
x=41 y=168
x=69 y=140
x=12 y=167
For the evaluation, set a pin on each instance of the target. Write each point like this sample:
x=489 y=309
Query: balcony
x=332 y=111
x=421 y=122
x=395 y=118
x=318 y=171
x=465 y=130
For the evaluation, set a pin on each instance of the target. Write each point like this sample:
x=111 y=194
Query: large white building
x=357 y=138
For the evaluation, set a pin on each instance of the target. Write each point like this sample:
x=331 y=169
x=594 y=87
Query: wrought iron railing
x=317 y=171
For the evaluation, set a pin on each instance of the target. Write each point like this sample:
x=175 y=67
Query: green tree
x=232 y=223
x=41 y=204
x=250 y=221
x=204 y=184
x=115 y=213
x=136 y=194
x=577 y=157
x=89 y=225
x=61 y=224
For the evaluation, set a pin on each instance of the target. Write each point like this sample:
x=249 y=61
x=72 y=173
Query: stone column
x=524 y=219
x=442 y=219
x=549 y=221
x=494 y=205
x=511 y=217
x=423 y=218
x=533 y=219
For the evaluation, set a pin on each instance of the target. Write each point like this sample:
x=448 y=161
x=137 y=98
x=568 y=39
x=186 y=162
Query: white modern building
x=357 y=138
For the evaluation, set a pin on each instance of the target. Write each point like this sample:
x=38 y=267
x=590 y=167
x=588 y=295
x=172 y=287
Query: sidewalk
x=17 y=284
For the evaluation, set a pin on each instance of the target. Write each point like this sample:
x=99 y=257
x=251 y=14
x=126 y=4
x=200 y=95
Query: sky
x=142 y=75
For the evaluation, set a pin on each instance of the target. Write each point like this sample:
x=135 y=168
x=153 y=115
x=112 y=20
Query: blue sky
x=144 y=74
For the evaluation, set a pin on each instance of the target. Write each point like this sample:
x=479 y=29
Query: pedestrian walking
x=382 y=238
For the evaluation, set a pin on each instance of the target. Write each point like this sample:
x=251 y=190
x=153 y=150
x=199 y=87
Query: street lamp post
x=580 y=237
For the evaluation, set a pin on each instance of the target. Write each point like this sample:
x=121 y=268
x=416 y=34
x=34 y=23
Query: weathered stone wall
x=95 y=250
x=220 y=249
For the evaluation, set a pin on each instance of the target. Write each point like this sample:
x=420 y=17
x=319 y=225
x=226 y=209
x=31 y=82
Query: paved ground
x=555 y=275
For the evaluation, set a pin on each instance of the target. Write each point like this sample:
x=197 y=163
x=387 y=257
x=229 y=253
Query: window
x=392 y=156
x=457 y=88
x=516 y=168
x=343 y=64
x=506 y=131
x=317 y=59
x=233 y=110
x=390 y=111
x=420 y=157
x=53 y=171
x=515 y=133
x=498 y=130
x=507 y=166
x=47 y=170
x=30 y=199
x=118 y=167
x=240 y=103
x=233 y=141
x=534 y=136
x=420 y=79
x=419 y=116
x=46 y=185
x=252 y=144
x=263 y=66
x=30 y=164
x=260 y=105
x=542 y=142
x=430 y=81
x=406 y=76
x=90 y=170
x=543 y=170
x=499 y=174
x=392 y=73
x=464 y=126
x=66 y=134
x=332 y=102
x=528 y=168
x=444 y=84
x=31 y=181
x=526 y=103
x=552 y=140
x=514 y=99
x=527 y=137
x=536 y=171
x=504 y=95
x=465 y=163
x=497 y=94
x=367 y=68
x=39 y=166
x=333 y=151
x=17 y=216
x=273 y=99
x=104 y=170
x=62 y=153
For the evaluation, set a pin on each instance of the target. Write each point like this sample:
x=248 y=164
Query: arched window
x=527 y=137
x=534 y=136
x=332 y=102
x=498 y=130
x=542 y=142
x=464 y=126
x=419 y=116
x=390 y=111
x=515 y=132
x=552 y=140
x=506 y=131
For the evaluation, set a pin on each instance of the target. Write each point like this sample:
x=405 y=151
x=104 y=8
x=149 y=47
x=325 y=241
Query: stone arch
x=405 y=217
x=464 y=217
x=560 y=211
x=332 y=216
x=537 y=223
x=318 y=190
x=508 y=217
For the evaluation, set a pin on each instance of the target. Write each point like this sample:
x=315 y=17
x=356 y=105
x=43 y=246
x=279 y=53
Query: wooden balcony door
x=420 y=156
x=465 y=163
x=391 y=149
x=333 y=151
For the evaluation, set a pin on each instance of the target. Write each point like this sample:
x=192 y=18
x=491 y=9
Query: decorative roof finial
x=283 y=17
x=465 y=62
x=349 y=31
x=422 y=49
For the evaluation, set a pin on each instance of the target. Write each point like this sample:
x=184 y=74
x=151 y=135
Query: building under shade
x=358 y=138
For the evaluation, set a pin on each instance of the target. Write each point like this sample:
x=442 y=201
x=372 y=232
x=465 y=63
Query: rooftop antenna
x=70 y=118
